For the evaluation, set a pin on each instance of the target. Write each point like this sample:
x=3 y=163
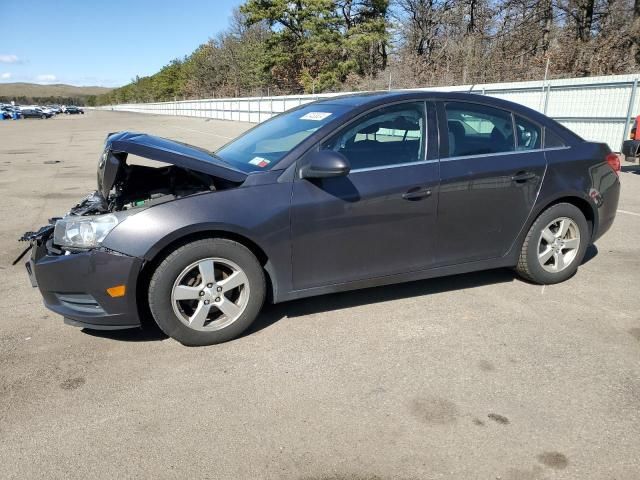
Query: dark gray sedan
x=344 y=193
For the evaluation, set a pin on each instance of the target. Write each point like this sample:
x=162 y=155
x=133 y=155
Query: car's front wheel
x=555 y=245
x=206 y=292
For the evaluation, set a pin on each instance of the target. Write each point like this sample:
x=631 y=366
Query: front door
x=378 y=220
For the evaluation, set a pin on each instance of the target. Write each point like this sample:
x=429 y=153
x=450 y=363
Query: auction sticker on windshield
x=259 y=162
x=315 y=116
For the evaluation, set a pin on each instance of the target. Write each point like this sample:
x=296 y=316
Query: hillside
x=33 y=90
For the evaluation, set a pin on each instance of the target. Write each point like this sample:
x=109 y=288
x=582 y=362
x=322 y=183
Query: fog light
x=117 y=291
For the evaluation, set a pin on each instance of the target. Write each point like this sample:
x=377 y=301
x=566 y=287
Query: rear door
x=380 y=219
x=491 y=170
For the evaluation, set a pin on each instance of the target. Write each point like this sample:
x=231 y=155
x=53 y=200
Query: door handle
x=417 y=193
x=522 y=177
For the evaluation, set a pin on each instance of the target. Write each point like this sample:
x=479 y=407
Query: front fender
x=259 y=213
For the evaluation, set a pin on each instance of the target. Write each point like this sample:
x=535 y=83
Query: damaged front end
x=124 y=189
x=121 y=186
x=68 y=264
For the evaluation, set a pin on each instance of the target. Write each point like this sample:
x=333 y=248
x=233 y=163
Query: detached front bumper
x=75 y=286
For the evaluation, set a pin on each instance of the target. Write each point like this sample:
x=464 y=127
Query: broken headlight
x=83 y=231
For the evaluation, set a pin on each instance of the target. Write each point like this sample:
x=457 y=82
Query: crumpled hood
x=162 y=150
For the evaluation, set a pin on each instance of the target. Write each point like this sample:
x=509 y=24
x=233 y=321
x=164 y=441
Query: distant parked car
x=74 y=110
x=35 y=112
x=9 y=111
x=48 y=110
x=631 y=147
x=52 y=108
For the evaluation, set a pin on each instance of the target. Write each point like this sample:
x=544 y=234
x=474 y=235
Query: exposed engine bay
x=139 y=186
x=186 y=170
x=122 y=186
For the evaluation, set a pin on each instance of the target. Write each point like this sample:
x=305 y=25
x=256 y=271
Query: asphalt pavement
x=477 y=376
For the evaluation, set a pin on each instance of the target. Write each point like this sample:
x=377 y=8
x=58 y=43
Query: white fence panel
x=596 y=108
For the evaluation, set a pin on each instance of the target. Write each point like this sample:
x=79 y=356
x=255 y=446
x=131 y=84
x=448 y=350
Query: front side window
x=388 y=136
x=475 y=129
x=528 y=134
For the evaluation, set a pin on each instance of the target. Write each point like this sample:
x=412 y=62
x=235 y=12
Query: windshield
x=265 y=145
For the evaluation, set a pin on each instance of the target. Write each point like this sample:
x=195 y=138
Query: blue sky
x=102 y=42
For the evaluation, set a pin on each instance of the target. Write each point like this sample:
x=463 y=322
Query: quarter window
x=478 y=129
x=528 y=135
x=551 y=139
x=388 y=136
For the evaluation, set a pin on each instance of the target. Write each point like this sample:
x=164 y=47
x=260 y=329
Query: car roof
x=356 y=99
x=365 y=98
x=361 y=101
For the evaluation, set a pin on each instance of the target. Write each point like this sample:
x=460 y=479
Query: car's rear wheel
x=555 y=245
x=206 y=292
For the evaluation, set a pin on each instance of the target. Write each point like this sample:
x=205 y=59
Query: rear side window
x=478 y=129
x=552 y=140
x=528 y=134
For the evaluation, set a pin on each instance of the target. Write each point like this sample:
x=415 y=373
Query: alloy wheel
x=558 y=244
x=210 y=294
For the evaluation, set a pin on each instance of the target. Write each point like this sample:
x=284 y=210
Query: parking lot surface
x=473 y=376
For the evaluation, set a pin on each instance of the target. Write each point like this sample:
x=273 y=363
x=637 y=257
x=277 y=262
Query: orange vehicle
x=631 y=147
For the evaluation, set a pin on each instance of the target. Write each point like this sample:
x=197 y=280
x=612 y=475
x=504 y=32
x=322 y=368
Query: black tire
x=164 y=276
x=43 y=116
x=530 y=268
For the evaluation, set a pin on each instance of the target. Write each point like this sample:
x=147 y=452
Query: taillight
x=614 y=162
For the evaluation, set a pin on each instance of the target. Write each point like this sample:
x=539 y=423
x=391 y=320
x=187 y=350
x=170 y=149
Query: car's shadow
x=149 y=333
x=297 y=308
x=338 y=301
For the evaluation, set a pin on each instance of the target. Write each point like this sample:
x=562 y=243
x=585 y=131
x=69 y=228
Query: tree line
x=276 y=47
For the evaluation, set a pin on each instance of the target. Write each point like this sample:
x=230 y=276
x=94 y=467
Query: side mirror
x=325 y=164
